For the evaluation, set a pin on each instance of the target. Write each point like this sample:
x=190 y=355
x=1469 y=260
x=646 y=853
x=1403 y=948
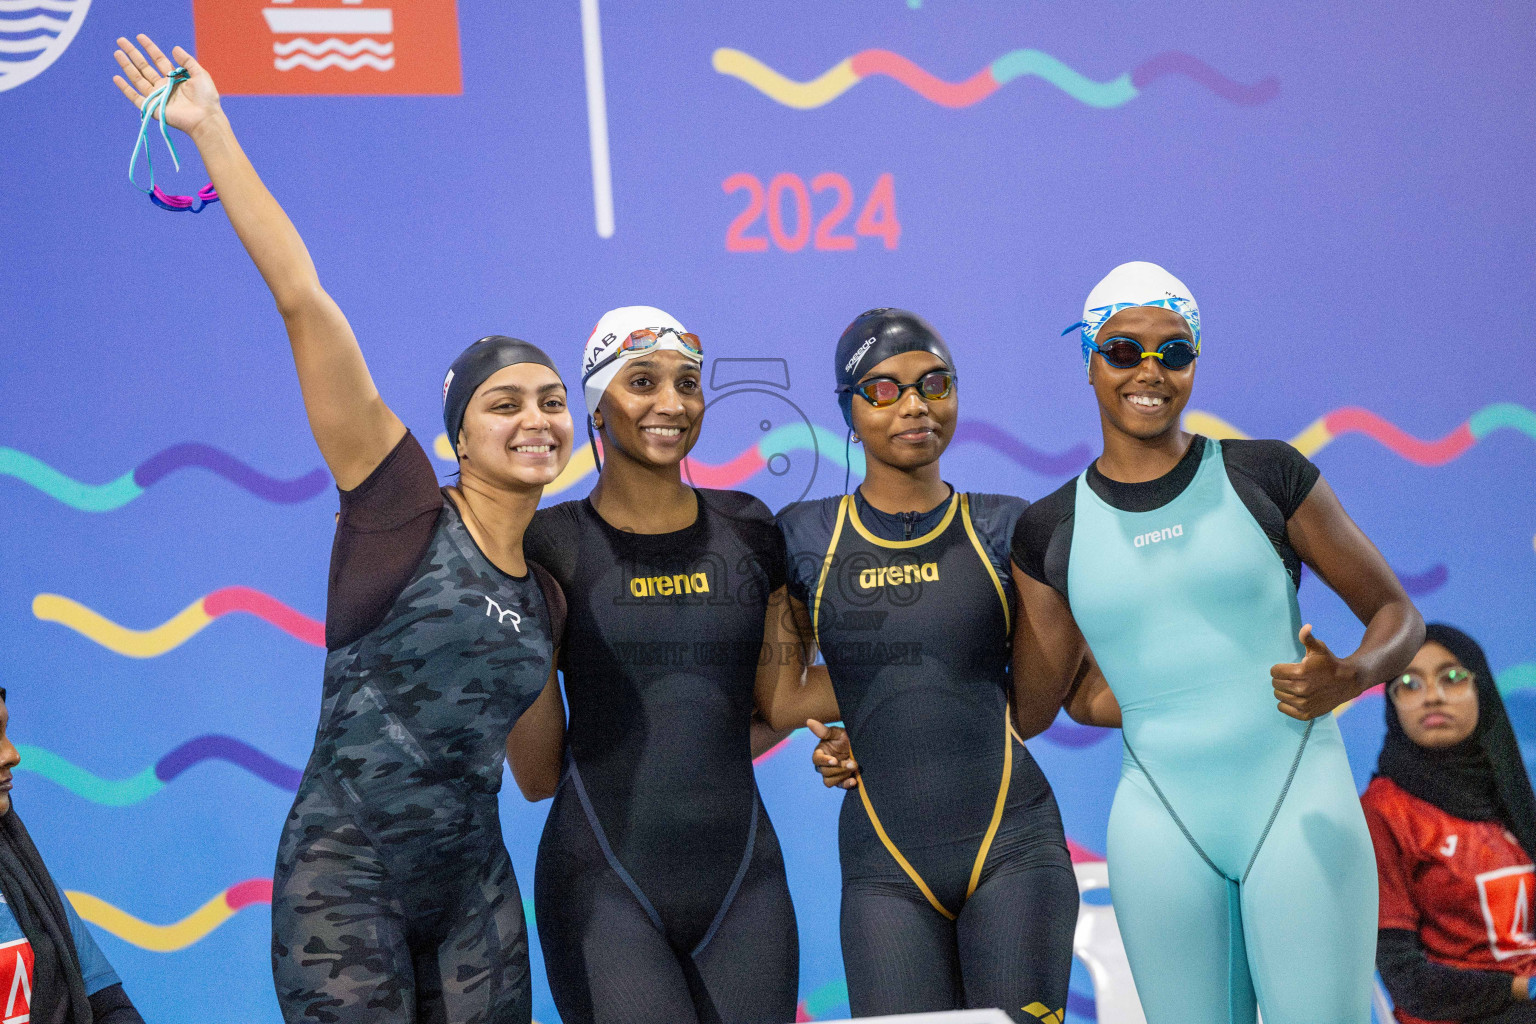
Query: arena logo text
x=670 y=586
x=895 y=575
x=1166 y=533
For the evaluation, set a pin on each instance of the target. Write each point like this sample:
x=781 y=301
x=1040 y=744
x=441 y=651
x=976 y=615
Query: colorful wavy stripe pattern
x=823 y=1000
x=198 y=925
x=138 y=788
x=828 y=445
x=151 y=643
x=117 y=493
x=202 y=922
x=1426 y=582
x=1518 y=677
x=168 y=938
x=1352 y=420
x=1117 y=92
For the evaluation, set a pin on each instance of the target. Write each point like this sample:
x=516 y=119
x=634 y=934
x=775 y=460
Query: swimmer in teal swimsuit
x=1159 y=594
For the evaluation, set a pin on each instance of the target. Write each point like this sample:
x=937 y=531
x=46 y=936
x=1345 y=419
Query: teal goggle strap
x=154 y=108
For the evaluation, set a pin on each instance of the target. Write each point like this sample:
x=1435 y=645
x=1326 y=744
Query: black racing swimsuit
x=953 y=815
x=658 y=862
x=394 y=899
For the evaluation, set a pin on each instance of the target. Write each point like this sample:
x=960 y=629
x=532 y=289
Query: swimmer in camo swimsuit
x=394 y=900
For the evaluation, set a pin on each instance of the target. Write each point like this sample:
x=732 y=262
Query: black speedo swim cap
x=474 y=365
x=876 y=336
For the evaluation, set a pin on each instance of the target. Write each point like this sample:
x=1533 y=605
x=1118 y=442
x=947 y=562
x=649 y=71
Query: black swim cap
x=876 y=336
x=474 y=366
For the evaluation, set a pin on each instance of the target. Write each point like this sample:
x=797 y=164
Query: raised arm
x=1048 y=654
x=1322 y=533
x=789 y=690
x=353 y=427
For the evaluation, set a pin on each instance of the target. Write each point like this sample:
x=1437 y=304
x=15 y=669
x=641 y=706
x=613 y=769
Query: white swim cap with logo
x=1135 y=284
x=610 y=332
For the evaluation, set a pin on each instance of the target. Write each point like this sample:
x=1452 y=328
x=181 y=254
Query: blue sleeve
x=94 y=968
x=807 y=530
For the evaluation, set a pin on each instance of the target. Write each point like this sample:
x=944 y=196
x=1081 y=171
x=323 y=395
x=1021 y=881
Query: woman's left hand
x=195 y=103
x=1315 y=685
x=833 y=756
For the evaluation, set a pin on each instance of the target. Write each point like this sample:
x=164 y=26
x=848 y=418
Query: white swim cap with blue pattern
x=1134 y=284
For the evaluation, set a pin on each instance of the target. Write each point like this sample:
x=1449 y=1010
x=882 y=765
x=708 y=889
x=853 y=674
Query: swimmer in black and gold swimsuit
x=957 y=887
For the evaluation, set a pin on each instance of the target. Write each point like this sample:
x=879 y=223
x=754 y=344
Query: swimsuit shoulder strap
x=981 y=552
x=843 y=508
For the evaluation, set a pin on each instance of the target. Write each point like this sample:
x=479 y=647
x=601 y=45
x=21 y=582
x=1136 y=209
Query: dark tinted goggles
x=1124 y=353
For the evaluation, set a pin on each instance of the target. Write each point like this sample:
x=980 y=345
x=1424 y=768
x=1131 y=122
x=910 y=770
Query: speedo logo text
x=853 y=360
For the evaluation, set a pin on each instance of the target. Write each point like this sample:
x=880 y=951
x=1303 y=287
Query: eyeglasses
x=1452 y=681
x=645 y=339
x=880 y=392
x=1124 y=353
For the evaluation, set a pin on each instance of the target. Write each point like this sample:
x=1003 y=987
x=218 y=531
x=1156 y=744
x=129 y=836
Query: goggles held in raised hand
x=880 y=392
x=1124 y=353
x=154 y=108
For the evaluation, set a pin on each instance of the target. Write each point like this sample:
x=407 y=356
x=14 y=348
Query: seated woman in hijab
x=50 y=966
x=1453 y=821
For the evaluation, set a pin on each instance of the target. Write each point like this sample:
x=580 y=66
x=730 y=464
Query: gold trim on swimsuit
x=847 y=511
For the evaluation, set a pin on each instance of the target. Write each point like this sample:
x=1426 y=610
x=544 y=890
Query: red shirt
x=1463 y=886
x=15 y=981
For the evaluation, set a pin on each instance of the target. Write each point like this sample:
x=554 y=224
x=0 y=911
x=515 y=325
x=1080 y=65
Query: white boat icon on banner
x=312 y=32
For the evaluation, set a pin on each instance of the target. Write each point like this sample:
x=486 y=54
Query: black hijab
x=1483 y=777
x=58 y=990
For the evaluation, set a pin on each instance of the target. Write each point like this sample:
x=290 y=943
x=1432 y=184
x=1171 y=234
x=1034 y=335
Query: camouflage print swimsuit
x=394 y=898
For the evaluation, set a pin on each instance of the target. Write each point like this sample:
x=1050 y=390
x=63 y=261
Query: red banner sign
x=336 y=48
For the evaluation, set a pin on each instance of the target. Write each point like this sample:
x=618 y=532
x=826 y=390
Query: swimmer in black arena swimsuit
x=394 y=901
x=957 y=887
x=660 y=889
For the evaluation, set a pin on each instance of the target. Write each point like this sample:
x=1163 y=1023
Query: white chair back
x=1097 y=944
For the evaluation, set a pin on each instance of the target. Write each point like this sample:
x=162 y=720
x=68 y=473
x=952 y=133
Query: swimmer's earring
x=154 y=108
x=847 y=462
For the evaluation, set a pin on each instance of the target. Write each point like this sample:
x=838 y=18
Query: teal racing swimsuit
x=1240 y=865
